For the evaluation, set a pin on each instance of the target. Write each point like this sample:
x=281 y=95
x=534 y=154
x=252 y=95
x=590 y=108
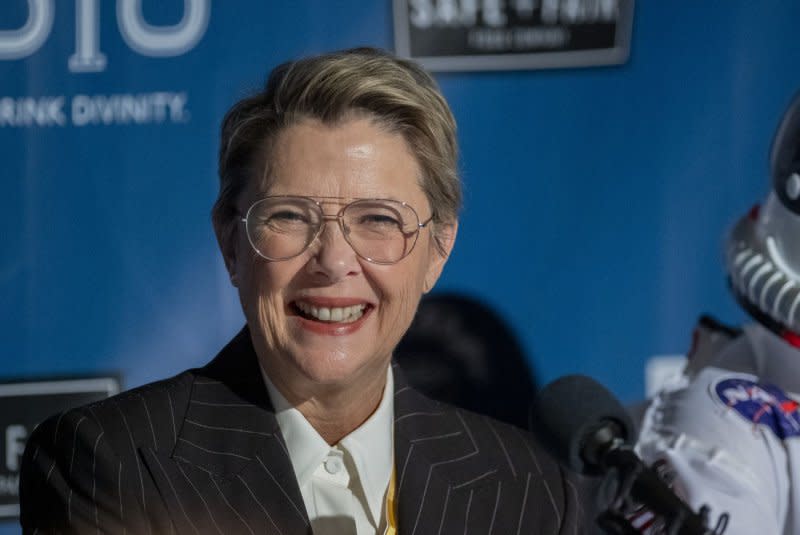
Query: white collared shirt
x=343 y=486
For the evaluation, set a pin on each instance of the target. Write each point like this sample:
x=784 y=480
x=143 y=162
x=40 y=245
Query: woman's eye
x=284 y=218
x=288 y=215
x=379 y=220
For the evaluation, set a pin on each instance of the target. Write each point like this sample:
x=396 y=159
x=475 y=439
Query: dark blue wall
x=596 y=199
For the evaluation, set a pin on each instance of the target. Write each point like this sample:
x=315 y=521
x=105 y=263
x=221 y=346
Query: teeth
x=334 y=314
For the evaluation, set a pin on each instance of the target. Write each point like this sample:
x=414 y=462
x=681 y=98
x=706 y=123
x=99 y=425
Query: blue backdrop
x=596 y=199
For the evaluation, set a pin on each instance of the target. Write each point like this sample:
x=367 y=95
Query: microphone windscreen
x=569 y=410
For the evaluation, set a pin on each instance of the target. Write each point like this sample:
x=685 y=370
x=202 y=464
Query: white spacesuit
x=726 y=433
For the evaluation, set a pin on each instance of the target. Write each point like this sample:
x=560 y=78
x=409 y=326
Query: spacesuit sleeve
x=719 y=437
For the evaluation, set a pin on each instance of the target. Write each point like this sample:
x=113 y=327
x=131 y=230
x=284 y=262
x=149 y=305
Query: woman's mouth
x=347 y=314
x=330 y=316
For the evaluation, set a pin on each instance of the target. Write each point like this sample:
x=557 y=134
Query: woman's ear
x=444 y=238
x=227 y=235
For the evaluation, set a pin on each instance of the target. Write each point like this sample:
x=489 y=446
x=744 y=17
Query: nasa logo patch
x=761 y=404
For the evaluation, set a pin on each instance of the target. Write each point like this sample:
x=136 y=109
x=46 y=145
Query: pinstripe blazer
x=202 y=453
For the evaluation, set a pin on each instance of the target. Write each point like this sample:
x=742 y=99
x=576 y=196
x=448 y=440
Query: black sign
x=460 y=35
x=23 y=405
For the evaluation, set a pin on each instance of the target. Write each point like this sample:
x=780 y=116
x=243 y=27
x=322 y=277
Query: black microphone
x=587 y=429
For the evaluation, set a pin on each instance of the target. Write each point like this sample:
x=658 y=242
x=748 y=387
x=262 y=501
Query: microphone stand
x=634 y=479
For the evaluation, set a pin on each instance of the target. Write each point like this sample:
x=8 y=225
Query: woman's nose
x=332 y=256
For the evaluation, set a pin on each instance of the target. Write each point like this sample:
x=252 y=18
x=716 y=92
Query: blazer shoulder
x=149 y=415
x=93 y=451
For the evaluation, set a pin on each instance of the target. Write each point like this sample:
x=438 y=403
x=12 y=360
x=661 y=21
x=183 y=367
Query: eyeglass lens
x=382 y=231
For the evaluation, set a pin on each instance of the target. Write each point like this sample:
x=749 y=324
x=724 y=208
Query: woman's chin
x=313 y=354
x=332 y=369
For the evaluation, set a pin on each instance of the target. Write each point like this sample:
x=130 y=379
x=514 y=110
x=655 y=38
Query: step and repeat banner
x=606 y=148
x=107 y=131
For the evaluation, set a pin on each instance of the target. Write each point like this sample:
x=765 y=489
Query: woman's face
x=300 y=351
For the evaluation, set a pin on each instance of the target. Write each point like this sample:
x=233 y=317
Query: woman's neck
x=334 y=410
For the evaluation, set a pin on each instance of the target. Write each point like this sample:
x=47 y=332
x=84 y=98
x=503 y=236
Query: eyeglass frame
x=339 y=218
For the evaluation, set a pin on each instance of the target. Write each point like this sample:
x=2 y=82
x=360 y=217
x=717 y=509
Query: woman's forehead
x=355 y=159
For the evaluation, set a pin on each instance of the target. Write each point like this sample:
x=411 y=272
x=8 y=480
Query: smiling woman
x=354 y=159
x=337 y=210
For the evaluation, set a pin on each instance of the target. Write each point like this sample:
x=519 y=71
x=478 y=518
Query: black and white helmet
x=763 y=249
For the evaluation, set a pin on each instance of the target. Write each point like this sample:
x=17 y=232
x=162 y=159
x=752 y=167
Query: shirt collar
x=370 y=445
x=307 y=449
x=371 y=448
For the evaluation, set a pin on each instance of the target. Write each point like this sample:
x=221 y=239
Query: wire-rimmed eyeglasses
x=381 y=231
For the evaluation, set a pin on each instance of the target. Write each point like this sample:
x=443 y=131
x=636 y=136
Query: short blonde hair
x=398 y=94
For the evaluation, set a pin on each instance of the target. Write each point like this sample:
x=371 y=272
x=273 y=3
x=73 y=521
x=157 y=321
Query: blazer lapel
x=229 y=471
x=443 y=477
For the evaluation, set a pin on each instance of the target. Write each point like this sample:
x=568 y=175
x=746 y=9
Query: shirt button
x=333 y=465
